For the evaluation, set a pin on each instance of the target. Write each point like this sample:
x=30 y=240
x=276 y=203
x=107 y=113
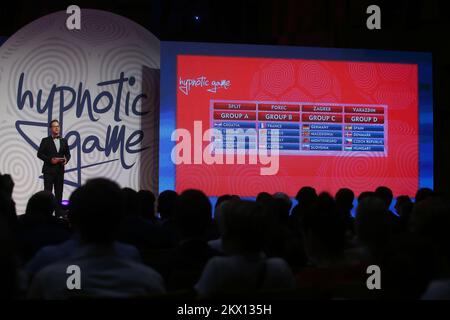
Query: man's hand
x=54 y=160
x=65 y=161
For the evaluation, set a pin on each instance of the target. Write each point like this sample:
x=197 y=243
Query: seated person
x=246 y=270
x=104 y=272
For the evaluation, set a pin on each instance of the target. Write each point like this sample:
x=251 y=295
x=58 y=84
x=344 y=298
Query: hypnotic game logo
x=100 y=82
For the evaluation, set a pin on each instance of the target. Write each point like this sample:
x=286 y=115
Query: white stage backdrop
x=100 y=82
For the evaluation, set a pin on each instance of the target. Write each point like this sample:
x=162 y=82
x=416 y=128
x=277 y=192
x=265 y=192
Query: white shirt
x=240 y=273
x=57 y=143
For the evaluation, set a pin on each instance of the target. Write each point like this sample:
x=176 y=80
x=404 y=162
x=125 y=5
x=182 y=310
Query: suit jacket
x=47 y=151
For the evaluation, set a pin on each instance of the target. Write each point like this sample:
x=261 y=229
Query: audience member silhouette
x=365 y=194
x=147 y=205
x=246 y=270
x=257 y=246
x=54 y=253
x=373 y=228
x=182 y=265
x=423 y=193
x=7 y=204
x=222 y=203
x=431 y=220
x=166 y=204
x=9 y=266
x=283 y=205
x=305 y=197
x=385 y=194
x=344 y=204
x=403 y=207
x=98 y=208
x=166 y=207
x=325 y=242
x=38 y=227
x=137 y=230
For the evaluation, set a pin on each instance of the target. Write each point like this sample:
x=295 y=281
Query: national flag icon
x=305 y=147
x=348 y=148
x=348 y=141
x=305 y=133
x=305 y=127
x=306 y=140
x=263 y=133
x=348 y=134
x=262 y=125
x=348 y=127
x=217 y=124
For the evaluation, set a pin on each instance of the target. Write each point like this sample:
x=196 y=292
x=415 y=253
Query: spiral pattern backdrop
x=364 y=75
x=50 y=56
x=315 y=77
x=53 y=61
x=15 y=160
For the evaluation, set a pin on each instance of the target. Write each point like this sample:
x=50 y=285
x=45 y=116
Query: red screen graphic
x=300 y=85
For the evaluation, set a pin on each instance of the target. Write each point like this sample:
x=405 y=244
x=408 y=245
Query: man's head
x=147 y=204
x=242 y=227
x=6 y=184
x=54 y=128
x=130 y=199
x=323 y=230
x=306 y=196
x=372 y=222
x=97 y=209
x=42 y=204
x=385 y=194
x=192 y=214
x=166 y=203
x=424 y=193
x=344 y=199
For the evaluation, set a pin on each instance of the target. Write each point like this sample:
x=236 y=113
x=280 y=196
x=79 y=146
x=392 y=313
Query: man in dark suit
x=54 y=151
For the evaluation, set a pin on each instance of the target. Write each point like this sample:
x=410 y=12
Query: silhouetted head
x=283 y=205
x=192 y=214
x=7 y=209
x=147 y=204
x=54 y=128
x=372 y=223
x=97 y=208
x=285 y=198
x=242 y=228
x=41 y=204
x=73 y=214
x=219 y=207
x=221 y=210
x=222 y=198
x=423 y=193
x=385 y=194
x=306 y=196
x=6 y=184
x=431 y=218
x=8 y=263
x=131 y=202
x=264 y=197
x=365 y=194
x=166 y=203
x=403 y=205
x=323 y=230
x=345 y=198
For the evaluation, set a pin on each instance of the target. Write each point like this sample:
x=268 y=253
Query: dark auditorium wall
x=417 y=25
